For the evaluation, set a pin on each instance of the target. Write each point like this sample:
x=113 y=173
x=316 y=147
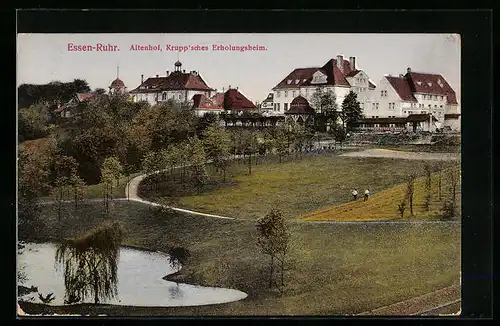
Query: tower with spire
x=117 y=86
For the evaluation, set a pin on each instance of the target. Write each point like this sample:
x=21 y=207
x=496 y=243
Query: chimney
x=142 y=79
x=222 y=89
x=352 y=63
x=184 y=71
x=167 y=72
x=408 y=69
x=236 y=87
x=229 y=87
x=340 y=62
x=157 y=76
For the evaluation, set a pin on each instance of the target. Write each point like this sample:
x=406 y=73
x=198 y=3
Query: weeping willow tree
x=90 y=263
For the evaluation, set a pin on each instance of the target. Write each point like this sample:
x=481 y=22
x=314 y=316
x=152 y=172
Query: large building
x=117 y=86
x=415 y=93
x=338 y=75
x=177 y=85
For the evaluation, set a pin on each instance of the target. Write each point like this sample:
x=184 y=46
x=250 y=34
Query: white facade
x=385 y=102
x=163 y=96
x=283 y=97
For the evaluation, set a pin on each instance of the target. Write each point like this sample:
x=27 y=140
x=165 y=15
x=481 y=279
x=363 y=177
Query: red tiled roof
x=352 y=73
x=431 y=84
x=174 y=81
x=300 y=105
x=402 y=87
x=420 y=118
x=218 y=99
x=201 y=102
x=84 y=96
x=117 y=83
x=234 y=100
x=304 y=75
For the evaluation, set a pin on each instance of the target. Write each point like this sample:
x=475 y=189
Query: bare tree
x=410 y=189
x=428 y=183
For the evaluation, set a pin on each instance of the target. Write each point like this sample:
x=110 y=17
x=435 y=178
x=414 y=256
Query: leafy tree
x=33 y=121
x=273 y=239
x=217 y=145
x=280 y=142
x=53 y=92
x=339 y=134
x=65 y=171
x=100 y=91
x=111 y=170
x=197 y=159
x=90 y=263
x=178 y=256
x=249 y=146
x=325 y=104
x=77 y=184
x=351 y=110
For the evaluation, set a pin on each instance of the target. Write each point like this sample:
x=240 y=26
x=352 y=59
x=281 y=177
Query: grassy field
x=297 y=187
x=383 y=205
x=334 y=269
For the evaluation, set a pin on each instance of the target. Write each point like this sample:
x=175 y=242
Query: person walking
x=355 y=194
x=367 y=193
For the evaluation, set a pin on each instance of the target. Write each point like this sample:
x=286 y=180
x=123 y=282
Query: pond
x=140 y=280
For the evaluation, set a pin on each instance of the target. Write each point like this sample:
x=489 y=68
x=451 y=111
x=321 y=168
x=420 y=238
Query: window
x=441 y=98
x=423 y=112
x=435 y=97
x=289 y=81
x=404 y=111
x=285 y=106
x=286 y=93
x=307 y=91
x=441 y=106
x=429 y=107
x=164 y=96
x=293 y=94
x=277 y=106
x=381 y=93
x=296 y=81
x=180 y=96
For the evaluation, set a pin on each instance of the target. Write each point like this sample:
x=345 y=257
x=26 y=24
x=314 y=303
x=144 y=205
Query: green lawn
x=335 y=269
x=297 y=187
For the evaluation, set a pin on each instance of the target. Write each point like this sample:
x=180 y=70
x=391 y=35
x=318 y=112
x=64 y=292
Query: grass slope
x=383 y=205
x=301 y=186
x=334 y=269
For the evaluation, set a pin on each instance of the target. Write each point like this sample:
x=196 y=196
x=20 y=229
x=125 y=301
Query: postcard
x=239 y=174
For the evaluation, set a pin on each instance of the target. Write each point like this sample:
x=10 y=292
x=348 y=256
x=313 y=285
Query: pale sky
x=42 y=58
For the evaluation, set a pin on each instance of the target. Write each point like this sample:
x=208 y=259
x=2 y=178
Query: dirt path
x=443 y=301
x=387 y=153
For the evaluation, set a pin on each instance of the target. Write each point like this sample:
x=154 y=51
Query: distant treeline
x=54 y=92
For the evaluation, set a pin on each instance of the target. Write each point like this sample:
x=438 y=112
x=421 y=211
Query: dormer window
x=429 y=83
x=440 y=83
x=419 y=83
x=289 y=81
x=304 y=80
x=296 y=81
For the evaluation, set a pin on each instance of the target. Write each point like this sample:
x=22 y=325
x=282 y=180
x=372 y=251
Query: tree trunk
x=76 y=197
x=224 y=175
x=250 y=164
x=411 y=204
x=271 y=273
x=60 y=203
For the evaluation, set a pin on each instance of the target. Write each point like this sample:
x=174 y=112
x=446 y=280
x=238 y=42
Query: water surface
x=140 y=280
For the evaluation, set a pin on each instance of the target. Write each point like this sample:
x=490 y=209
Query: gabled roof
x=81 y=97
x=303 y=76
x=218 y=99
x=371 y=84
x=234 y=100
x=175 y=81
x=353 y=73
x=201 y=102
x=402 y=88
x=431 y=84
